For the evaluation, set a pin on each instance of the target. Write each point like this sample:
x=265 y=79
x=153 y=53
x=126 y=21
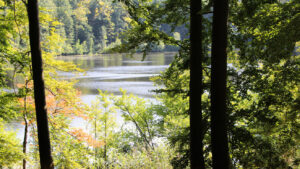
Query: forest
x=224 y=88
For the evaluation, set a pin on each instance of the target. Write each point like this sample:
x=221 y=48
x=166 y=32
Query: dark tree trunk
x=26 y=125
x=196 y=145
x=25 y=138
x=219 y=141
x=39 y=88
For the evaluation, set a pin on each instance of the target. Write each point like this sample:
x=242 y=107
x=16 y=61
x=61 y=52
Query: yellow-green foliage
x=10 y=148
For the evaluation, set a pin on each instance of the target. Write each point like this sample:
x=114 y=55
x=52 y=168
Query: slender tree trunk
x=196 y=145
x=25 y=138
x=219 y=140
x=39 y=87
x=26 y=127
x=26 y=124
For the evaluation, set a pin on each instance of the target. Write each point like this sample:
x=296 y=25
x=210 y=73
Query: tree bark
x=25 y=139
x=219 y=140
x=196 y=145
x=26 y=125
x=46 y=161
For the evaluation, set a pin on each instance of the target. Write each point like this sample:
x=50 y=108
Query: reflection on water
x=109 y=60
x=112 y=72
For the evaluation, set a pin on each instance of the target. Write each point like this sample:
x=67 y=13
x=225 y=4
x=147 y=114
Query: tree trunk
x=25 y=140
x=46 y=161
x=219 y=140
x=196 y=145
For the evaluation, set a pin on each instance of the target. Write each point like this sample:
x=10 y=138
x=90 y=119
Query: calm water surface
x=110 y=73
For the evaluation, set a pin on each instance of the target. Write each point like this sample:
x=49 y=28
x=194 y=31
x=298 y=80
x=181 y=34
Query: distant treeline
x=92 y=26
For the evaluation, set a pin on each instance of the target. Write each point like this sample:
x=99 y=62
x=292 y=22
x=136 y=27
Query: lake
x=110 y=72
